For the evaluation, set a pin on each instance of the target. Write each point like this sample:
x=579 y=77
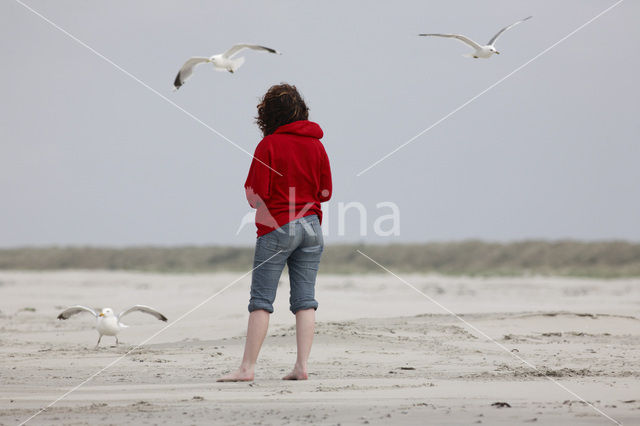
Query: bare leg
x=98 y=344
x=305 y=327
x=256 y=332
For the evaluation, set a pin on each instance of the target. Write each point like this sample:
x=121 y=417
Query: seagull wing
x=187 y=69
x=460 y=37
x=508 y=27
x=241 y=46
x=75 y=310
x=142 y=308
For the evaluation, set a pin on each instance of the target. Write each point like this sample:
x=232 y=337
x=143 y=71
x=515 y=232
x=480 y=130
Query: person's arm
x=258 y=181
x=326 y=186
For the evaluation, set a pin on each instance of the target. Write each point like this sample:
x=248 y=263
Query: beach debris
x=501 y=404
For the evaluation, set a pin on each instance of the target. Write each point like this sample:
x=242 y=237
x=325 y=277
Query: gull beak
x=101 y=314
x=497 y=53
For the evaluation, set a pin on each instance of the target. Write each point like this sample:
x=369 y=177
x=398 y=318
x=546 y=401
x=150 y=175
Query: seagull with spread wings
x=481 y=51
x=107 y=322
x=221 y=62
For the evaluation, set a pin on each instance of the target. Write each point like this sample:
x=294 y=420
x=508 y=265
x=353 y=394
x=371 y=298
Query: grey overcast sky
x=89 y=156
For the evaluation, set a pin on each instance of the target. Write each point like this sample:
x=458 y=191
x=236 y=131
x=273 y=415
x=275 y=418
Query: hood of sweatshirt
x=301 y=128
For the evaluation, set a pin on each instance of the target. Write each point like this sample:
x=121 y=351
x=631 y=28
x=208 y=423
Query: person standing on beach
x=288 y=179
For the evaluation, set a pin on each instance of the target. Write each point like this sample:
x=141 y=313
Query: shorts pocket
x=312 y=249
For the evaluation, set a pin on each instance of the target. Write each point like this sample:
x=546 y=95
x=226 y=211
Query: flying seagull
x=107 y=323
x=221 y=62
x=480 y=51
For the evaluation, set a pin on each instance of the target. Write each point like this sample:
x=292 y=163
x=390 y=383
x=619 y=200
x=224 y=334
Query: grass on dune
x=568 y=258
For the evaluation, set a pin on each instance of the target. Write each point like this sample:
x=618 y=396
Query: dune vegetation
x=565 y=258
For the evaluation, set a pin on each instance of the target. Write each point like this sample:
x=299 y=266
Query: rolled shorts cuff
x=255 y=305
x=305 y=304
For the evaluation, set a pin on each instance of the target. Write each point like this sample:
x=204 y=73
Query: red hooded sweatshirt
x=289 y=176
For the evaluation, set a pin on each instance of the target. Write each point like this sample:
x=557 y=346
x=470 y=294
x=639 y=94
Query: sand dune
x=383 y=354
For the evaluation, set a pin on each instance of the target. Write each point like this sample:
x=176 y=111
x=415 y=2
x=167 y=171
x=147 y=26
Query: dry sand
x=383 y=354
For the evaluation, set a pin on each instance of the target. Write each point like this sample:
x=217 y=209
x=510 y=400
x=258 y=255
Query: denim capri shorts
x=299 y=245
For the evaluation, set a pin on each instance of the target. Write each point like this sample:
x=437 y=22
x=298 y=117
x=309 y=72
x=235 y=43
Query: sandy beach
x=383 y=354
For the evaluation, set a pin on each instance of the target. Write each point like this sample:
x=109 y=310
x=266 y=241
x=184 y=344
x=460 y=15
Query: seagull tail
x=468 y=55
x=237 y=63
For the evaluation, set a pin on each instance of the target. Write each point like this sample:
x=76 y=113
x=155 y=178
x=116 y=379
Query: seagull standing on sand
x=221 y=62
x=107 y=323
x=481 y=51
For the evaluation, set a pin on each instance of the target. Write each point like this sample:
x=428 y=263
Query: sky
x=90 y=156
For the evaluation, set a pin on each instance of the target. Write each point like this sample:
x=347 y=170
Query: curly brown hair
x=282 y=104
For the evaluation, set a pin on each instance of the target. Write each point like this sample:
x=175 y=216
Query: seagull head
x=106 y=312
x=493 y=50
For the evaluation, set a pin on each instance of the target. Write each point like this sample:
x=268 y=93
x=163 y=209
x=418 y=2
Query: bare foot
x=240 y=375
x=298 y=373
